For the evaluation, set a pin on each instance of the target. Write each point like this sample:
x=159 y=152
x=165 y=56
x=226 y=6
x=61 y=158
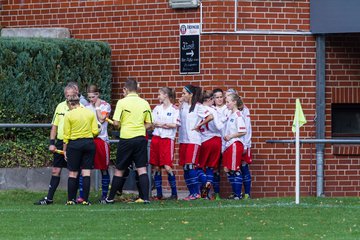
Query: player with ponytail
x=166 y=121
x=192 y=116
x=233 y=144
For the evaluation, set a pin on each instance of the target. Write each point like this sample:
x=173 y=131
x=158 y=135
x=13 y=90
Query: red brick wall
x=342 y=170
x=270 y=71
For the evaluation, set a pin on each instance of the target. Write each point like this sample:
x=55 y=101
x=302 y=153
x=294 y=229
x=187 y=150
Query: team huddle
x=214 y=130
x=210 y=130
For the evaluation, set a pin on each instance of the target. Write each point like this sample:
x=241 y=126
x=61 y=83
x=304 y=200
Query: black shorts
x=59 y=160
x=80 y=154
x=132 y=150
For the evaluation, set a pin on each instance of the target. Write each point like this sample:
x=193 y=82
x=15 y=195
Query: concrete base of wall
x=37 y=179
x=36 y=32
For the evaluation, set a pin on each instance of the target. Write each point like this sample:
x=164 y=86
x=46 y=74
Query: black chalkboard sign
x=189 y=54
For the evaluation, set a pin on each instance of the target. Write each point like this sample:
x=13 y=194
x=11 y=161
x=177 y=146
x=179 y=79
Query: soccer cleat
x=197 y=196
x=157 y=198
x=237 y=197
x=106 y=201
x=68 y=203
x=146 y=202
x=188 y=198
x=192 y=197
x=44 y=201
x=139 y=200
x=205 y=198
x=205 y=190
x=134 y=198
x=86 y=203
x=247 y=196
x=173 y=197
x=231 y=196
x=79 y=200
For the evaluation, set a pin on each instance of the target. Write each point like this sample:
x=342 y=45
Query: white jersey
x=189 y=121
x=246 y=116
x=105 y=109
x=166 y=115
x=223 y=113
x=234 y=124
x=212 y=128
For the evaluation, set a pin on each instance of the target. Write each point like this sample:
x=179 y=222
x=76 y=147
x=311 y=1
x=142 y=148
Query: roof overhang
x=334 y=16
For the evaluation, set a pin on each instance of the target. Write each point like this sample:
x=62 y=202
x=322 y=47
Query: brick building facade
x=270 y=70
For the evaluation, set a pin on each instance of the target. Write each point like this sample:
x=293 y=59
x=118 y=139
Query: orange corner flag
x=299 y=116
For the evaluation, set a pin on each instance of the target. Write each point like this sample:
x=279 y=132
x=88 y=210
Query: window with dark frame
x=345 y=120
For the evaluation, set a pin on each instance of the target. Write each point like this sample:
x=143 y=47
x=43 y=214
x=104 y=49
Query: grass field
x=268 y=218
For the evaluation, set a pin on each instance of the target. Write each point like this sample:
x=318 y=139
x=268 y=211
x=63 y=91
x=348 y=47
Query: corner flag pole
x=297 y=162
x=299 y=120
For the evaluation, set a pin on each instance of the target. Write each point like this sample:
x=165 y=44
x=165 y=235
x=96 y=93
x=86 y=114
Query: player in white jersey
x=102 y=111
x=210 y=146
x=233 y=145
x=226 y=113
x=219 y=102
x=247 y=156
x=166 y=120
x=191 y=115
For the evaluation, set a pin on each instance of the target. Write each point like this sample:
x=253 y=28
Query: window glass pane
x=346 y=120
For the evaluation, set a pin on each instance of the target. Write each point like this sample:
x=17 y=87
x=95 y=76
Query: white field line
x=149 y=209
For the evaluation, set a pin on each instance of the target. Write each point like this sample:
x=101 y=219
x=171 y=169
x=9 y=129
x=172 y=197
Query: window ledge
x=341 y=149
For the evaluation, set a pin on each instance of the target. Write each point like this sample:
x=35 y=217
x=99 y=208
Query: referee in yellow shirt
x=133 y=115
x=56 y=142
x=80 y=128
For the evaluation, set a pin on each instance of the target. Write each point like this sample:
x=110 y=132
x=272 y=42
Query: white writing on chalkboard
x=187 y=46
x=189 y=60
x=189 y=54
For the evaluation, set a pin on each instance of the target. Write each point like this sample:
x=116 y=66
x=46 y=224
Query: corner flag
x=299 y=120
x=299 y=116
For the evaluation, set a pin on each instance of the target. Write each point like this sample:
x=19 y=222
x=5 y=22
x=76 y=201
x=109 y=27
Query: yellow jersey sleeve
x=66 y=129
x=58 y=115
x=58 y=118
x=148 y=114
x=118 y=111
x=94 y=126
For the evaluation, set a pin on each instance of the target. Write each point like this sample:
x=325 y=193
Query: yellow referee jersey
x=58 y=118
x=80 y=123
x=132 y=112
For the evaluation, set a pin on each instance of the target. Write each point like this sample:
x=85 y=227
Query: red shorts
x=161 y=151
x=232 y=156
x=210 y=153
x=102 y=154
x=188 y=153
x=247 y=156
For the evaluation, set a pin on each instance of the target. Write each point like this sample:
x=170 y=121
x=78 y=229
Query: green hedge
x=33 y=74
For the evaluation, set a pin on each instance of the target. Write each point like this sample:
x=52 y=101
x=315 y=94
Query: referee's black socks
x=144 y=185
x=54 y=183
x=116 y=184
x=72 y=188
x=86 y=187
